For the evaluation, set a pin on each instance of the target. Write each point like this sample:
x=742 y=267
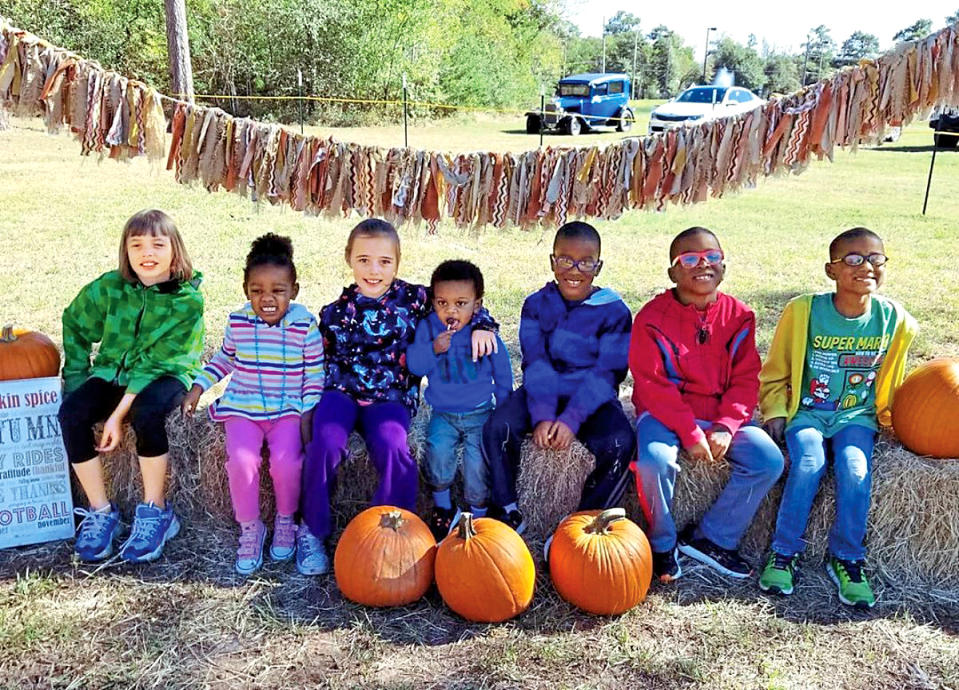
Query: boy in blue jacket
x=461 y=391
x=575 y=340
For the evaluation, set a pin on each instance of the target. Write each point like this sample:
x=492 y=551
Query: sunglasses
x=565 y=263
x=713 y=257
x=855 y=259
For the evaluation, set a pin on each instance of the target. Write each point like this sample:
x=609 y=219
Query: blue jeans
x=447 y=430
x=756 y=463
x=852 y=466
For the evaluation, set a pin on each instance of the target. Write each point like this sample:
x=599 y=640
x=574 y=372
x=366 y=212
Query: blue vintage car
x=584 y=101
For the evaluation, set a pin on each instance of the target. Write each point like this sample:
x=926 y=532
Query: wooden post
x=178 y=48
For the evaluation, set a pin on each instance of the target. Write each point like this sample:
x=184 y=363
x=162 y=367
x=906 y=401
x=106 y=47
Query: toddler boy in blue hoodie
x=575 y=339
x=461 y=391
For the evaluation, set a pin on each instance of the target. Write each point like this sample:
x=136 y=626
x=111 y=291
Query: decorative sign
x=35 y=500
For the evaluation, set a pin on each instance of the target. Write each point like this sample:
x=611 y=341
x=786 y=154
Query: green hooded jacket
x=144 y=332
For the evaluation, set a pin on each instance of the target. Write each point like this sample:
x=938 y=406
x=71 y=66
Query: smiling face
x=574 y=284
x=455 y=302
x=374 y=263
x=150 y=257
x=270 y=290
x=860 y=280
x=702 y=280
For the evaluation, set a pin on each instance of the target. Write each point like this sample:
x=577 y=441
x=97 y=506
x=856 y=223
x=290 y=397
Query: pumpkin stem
x=601 y=523
x=6 y=335
x=392 y=520
x=464 y=528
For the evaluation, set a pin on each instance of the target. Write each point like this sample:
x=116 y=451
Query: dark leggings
x=96 y=400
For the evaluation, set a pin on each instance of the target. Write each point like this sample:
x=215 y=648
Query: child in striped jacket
x=274 y=352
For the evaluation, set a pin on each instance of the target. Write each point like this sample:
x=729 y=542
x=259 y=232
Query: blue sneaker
x=311 y=557
x=96 y=533
x=152 y=528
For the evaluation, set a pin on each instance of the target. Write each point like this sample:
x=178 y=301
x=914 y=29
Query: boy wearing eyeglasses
x=574 y=337
x=834 y=364
x=696 y=383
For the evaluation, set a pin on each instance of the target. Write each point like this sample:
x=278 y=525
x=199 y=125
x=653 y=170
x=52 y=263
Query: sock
x=478 y=512
x=106 y=510
x=442 y=499
x=511 y=506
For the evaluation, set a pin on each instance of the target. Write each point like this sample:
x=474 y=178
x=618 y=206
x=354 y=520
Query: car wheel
x=533 y=124
x=626 y=120
x=573 y=126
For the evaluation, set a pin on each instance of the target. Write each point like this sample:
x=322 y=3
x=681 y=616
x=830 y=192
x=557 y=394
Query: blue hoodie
x=457 y=383
x=576 y=351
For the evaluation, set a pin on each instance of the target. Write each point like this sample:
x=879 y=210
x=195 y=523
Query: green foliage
x=858 y=46
x=920 y=29
x=743 y=61
x=782 y=74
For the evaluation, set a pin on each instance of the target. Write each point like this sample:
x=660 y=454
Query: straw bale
x=913 y=533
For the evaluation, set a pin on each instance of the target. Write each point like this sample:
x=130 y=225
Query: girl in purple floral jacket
x=368 y=386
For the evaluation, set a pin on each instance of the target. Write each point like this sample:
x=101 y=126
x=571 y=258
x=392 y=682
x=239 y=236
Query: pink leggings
x=244 y=441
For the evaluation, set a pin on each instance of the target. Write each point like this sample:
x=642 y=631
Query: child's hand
x=541 y=434
x=112 y=434
x=562 y=435
x=442 y=342
x=306 y=427
x=188 y=406
x=776 y=428
x=719 y=439
x=700 y=451
x=484 y=343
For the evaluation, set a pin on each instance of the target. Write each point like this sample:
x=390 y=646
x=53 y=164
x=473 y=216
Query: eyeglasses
x=713 y=257
x=565 y=263
x=855 y=259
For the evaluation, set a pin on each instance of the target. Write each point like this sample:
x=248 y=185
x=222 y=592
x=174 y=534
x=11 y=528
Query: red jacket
x=690 y=365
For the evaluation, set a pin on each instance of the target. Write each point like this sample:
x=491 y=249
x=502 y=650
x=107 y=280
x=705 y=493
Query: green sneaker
x=779 y=573
x=854 y=589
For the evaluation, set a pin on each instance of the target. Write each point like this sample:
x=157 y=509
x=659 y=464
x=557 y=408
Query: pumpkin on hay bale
x=384 y=557
x=27 y=355
x=925 y=409
x=484 y=570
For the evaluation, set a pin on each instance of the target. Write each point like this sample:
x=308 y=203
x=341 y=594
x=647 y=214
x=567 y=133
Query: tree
x=622 y=23
x=857 y=47
x=743 y=61
x=782 y=74
x=819 y=48
x=952 y=18
x=671 y=63
x=178 y=49
x=920 y=29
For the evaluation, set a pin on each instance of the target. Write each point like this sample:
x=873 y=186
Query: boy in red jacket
x=696 y=371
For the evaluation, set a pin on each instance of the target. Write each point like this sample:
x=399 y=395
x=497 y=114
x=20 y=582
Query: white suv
x=698 y=103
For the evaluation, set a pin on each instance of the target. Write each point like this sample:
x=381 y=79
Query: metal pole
x=406 y=141
x=805 y=59
x=542 y=115
x=604 y=46
x=706 y=52
x=299 y=90
x=635 y=44
x=932 y=164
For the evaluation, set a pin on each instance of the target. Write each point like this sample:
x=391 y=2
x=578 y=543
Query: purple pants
x=384 y=427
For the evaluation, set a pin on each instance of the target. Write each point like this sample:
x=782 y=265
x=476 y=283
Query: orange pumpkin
x=600 y=561
x=484 y=571
x=27 y=355
x=385 y=557
x=925 y=409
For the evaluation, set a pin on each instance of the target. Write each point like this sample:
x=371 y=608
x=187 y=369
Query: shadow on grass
x=913 y=149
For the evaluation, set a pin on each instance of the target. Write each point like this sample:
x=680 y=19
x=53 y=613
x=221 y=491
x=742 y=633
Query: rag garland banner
x=119 y=117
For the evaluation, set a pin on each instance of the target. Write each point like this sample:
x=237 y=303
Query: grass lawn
x=187 y=621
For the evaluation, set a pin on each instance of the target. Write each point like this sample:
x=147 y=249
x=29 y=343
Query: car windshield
x=702 y=95
x=572 y=89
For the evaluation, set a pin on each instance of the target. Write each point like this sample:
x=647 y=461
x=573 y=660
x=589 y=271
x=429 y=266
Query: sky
x=783 y=26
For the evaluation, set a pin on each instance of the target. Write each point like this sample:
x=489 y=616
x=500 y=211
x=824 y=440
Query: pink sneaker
x=249 y=555
x=284 y=538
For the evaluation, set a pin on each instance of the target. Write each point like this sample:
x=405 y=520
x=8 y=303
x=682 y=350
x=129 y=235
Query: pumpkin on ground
x=925 y=409
x=484 y=571
x=27 y=355
x=600 y=561
x=385 y=557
